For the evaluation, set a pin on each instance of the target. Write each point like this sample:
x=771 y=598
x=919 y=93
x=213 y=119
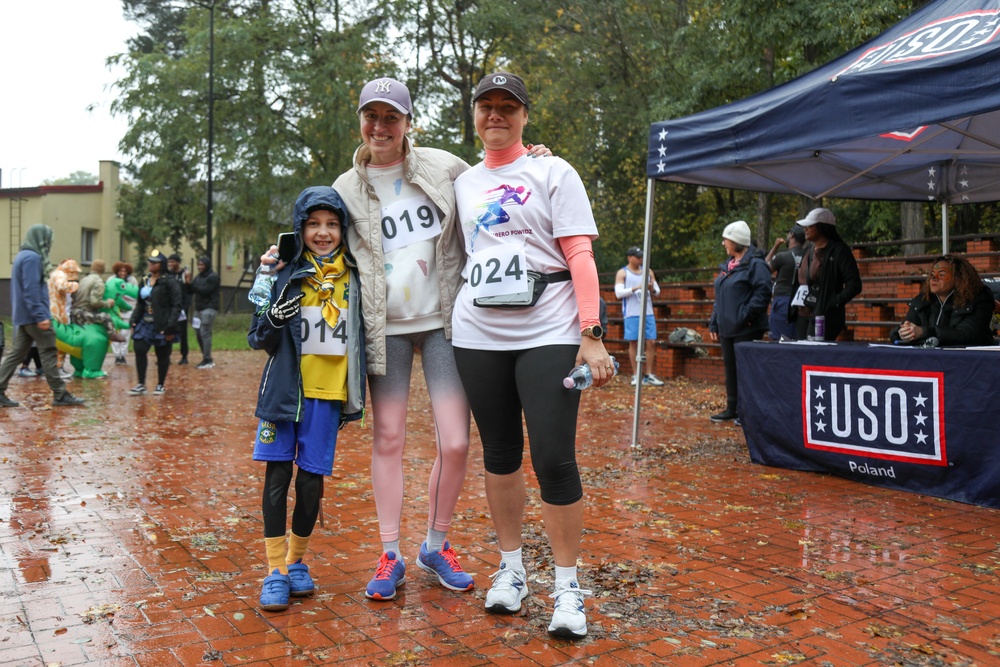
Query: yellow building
x=86 y=226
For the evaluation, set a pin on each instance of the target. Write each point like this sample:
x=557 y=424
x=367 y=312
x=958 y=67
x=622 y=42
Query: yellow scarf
x=324 y=282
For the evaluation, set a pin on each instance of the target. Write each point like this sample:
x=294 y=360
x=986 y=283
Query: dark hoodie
x=205 y=287
x=280 y=397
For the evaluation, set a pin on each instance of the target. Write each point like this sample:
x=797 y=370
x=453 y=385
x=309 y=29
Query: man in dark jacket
x=29 y=297
x=205 y=288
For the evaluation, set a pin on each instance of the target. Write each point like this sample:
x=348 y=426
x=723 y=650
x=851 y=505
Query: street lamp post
x=210 y=6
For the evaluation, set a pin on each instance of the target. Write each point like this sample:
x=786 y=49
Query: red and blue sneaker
x=389 y=573
x=445 y=565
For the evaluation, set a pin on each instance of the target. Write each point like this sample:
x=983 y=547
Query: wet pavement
x=130 y=534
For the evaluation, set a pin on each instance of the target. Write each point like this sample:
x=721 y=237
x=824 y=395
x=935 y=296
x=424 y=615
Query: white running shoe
x=569 y=619
x=652 y=381
x=507 y=591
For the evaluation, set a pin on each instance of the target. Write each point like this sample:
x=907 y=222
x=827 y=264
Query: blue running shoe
x=445 y=565
x=302 y=583
x=274 y=595
x=389 y=573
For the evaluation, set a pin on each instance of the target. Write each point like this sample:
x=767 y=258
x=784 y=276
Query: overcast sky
x=52 y=55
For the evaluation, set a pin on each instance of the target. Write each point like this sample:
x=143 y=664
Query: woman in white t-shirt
x=519 y=215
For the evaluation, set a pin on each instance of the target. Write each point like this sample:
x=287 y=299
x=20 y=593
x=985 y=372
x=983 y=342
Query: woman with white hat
x=742 y=294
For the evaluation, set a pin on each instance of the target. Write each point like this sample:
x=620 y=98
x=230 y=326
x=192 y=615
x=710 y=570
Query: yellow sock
x=276 y=550
x=296 y=548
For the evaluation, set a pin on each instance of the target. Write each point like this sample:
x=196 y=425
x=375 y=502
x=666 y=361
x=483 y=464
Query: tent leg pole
x=944 y=228
x=640 y=356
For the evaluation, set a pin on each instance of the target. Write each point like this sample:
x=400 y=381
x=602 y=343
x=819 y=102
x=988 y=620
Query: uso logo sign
x=894 y=415
x=940 y=37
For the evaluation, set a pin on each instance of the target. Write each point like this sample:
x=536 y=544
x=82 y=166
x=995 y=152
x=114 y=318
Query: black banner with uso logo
x=905 y=418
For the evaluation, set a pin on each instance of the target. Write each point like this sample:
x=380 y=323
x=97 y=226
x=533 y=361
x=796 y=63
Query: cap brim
x=395 y=105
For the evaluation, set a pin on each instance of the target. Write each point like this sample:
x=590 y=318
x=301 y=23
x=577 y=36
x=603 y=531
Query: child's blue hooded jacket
x=280 y=397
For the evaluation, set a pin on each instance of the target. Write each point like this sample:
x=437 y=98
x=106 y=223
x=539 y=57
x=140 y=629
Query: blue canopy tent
x=912 y=115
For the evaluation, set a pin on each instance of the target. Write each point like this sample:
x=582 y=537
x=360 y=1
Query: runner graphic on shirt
x=494 y=213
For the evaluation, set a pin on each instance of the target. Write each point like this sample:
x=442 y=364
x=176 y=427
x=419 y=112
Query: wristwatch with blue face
x=596 y=332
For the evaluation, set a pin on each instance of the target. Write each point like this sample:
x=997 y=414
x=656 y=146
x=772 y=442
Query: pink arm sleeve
x=579 y=254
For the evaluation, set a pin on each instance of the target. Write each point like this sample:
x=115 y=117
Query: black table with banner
x=921 y=420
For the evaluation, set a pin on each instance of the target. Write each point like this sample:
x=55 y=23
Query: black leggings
x=501 y=385
x=274 y=506
x=728 y=344
x=141 y=348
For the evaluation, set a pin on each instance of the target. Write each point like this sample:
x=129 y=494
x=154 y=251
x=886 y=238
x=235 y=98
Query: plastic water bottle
x=581 y=377
x=260 y=293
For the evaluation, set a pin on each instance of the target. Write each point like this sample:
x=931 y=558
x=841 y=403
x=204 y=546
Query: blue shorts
x=632 y=328
x=310 y=443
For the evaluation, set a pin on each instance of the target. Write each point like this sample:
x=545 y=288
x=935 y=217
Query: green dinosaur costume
x=87 y=345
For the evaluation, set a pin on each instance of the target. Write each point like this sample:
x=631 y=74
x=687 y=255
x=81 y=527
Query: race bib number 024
x=318 y=337
x=498 y=270
x=409 y=221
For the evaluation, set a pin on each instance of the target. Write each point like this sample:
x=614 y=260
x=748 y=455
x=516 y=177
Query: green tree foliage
x=76 y=178
x=284 y=77
x=599 y=72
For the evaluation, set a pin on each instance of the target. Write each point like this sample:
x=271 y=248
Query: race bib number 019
x=498 y=270
x=409 y=221
x=318 y=337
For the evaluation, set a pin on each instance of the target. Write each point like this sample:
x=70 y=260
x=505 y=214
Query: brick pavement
x=130 y=534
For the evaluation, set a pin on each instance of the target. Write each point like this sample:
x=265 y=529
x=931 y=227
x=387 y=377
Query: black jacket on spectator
x=953 y=326
x=163 y=304
x=205 y=287
x=840 y=281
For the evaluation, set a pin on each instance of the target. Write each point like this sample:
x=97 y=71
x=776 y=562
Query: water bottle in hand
x=581 y=377
x=260 y=293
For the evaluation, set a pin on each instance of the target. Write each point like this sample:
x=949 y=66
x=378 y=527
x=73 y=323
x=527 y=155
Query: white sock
x=393 y=547
x=564 y=575
x=435 y=540
x=512 y=558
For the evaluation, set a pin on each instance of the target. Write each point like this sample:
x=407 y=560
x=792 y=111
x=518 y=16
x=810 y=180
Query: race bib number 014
x=318 y=337
x=498 y=270
x=409 y=221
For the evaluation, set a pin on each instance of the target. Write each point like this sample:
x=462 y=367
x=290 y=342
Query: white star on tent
x=932 y=171
x=821 y=409
x=930 y=185
x=964 y=184
x=920 y=399
x=921 y=438
x=820 y=392
x=661 y=165
x=921 y=418
x=821 y=426
x=663 y=134
x=663 y=150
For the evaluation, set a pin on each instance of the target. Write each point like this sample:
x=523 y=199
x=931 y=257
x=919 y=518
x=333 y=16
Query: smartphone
x=286 y=247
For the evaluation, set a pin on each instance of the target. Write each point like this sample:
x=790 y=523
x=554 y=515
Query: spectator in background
x=953 y=309
x=180 y=273
x=63 y=283
x=154 y=322
x=29 y=298
x=122 y=277
x=205 y=288
x=89 y=304
x=742 y=292
x=783 y=266
x=828 y=276
x=629 y=283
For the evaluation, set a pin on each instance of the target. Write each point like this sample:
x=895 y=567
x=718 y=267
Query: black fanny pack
x=537 y=282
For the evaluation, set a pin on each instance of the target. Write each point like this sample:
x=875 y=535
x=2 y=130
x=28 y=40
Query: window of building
x=88 y=240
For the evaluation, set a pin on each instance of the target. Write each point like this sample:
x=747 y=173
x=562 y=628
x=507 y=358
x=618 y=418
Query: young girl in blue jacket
x=312 y=384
